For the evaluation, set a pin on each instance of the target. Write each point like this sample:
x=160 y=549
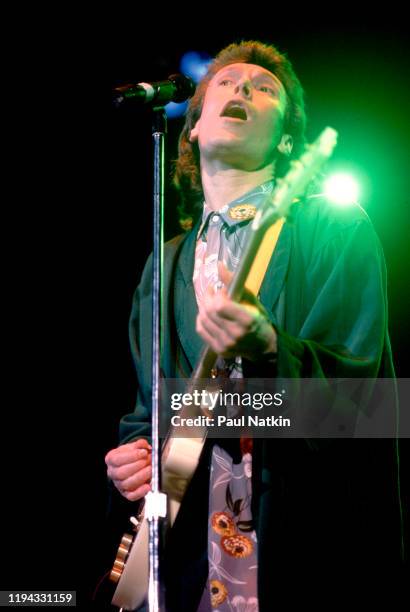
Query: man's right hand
x=129 y=467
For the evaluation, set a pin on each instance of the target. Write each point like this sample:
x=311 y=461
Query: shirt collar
x=241 y=210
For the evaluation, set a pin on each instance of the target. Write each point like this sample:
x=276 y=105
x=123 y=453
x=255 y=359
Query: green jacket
x=325 y=292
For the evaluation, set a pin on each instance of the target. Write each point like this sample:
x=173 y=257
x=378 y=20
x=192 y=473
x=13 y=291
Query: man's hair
x=187 y=175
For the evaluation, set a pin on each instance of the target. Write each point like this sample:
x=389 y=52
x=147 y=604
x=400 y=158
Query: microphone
x=177 y=88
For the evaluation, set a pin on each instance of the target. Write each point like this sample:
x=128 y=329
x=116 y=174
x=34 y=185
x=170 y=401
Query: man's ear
x=286 y=145
x=193 y=136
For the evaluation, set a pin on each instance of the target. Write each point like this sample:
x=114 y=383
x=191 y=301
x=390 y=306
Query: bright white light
x=341 y=188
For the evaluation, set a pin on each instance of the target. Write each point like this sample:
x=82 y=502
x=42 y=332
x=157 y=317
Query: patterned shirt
x=232 y=543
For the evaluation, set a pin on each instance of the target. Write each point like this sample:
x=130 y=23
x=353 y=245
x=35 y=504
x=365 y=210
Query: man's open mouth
x=235 y=110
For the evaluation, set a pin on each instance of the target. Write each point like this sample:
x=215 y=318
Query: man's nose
x=245 y=88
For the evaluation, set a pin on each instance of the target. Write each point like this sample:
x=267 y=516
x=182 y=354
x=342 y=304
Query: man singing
x=254 y=509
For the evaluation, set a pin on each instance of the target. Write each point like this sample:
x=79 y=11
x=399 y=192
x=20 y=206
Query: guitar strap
x=260 y=265
x=253 y=283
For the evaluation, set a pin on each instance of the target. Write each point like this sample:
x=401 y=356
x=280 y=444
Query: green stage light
x=341 y=188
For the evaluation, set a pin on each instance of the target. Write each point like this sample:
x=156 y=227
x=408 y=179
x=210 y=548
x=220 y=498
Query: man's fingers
x=138 y=493
x=141 y=443
x=129 y=467
x=136 y=480
x=224 y=274
x=123 y=455
x=212 y=341
x=227 y=310
x=225 y=331
x=125 y=471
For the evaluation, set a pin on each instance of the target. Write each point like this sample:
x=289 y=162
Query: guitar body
x=181 y=455
x=132 y=588
x=180 y=459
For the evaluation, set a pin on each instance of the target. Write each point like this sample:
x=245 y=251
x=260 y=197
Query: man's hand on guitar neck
x=129 y=467
x=232 y=329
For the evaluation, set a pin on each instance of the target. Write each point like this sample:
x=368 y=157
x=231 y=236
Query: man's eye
x=266 y=89
x=226 y=82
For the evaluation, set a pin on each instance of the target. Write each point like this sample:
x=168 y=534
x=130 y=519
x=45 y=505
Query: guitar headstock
x=294 y=183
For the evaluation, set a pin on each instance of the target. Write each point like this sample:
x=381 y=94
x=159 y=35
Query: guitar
x=180 y=455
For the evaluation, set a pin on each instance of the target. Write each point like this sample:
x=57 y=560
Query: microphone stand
x=178 y=88
x=155 y=501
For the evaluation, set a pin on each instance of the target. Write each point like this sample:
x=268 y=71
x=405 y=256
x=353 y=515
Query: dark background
x=85 y=244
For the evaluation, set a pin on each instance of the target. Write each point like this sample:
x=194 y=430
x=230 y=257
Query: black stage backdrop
x=83 y=240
